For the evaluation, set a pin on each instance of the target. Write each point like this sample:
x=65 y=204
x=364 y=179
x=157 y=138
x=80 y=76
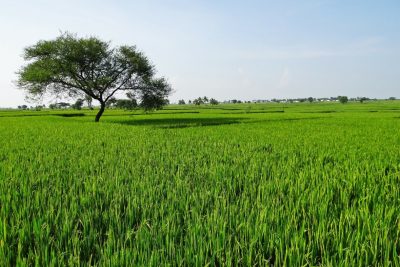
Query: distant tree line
x=211 y=101
x=199 y=101
x=341 y=99
x=130 y=103
x=37 y=108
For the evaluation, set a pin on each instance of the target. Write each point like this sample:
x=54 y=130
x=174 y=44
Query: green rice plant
x=191 y=186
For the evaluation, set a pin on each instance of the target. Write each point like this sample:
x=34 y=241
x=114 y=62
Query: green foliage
x=153 y=102
x=89 y=67
x=64 y=105
x=363 y=99
x=23 y=107
x=78 y=104
x=111 y=102
x=39 y=107
x=213 y=101
x=128 y=104
x=317 y=185
x=198 y=101
x=343 y=99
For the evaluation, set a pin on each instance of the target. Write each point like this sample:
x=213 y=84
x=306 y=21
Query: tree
x=343 y=99
x=153 y=102
x=392 y=98
x=63 y=105
x=310 y=99
x=78 y=67
x=213 y=101
x=39 y=107
x=198 y=101
x=181 y=102
x=128 y=104
x=205 y=99
x=78 y=104
x=111 y=102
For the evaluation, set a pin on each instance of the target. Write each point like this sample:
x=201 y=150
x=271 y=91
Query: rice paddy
x=245 y=184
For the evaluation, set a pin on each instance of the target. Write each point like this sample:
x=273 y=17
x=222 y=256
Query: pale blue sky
x=227 y=49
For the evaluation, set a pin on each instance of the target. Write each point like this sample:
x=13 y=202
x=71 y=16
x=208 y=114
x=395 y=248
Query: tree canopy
x=343 y=99
x=91 y=68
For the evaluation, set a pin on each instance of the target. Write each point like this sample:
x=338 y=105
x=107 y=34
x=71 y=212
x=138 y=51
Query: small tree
x=75 y=67
x=310 y=99
x=128 y=104
x=152 y=102
x=63 y=105
x=181 y=102
x=111 y=102
x=39 y=108
x=198 y=101
x=78 y=104
x=343 y=99
x=213 y=101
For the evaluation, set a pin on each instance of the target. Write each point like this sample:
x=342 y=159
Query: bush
x=343 y=99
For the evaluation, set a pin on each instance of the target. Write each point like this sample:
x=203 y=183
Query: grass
x=317 y=184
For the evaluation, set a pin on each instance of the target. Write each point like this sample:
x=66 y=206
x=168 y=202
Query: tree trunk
x=102 y=108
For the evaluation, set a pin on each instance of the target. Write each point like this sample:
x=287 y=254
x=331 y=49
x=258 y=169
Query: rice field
x=228 y=185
